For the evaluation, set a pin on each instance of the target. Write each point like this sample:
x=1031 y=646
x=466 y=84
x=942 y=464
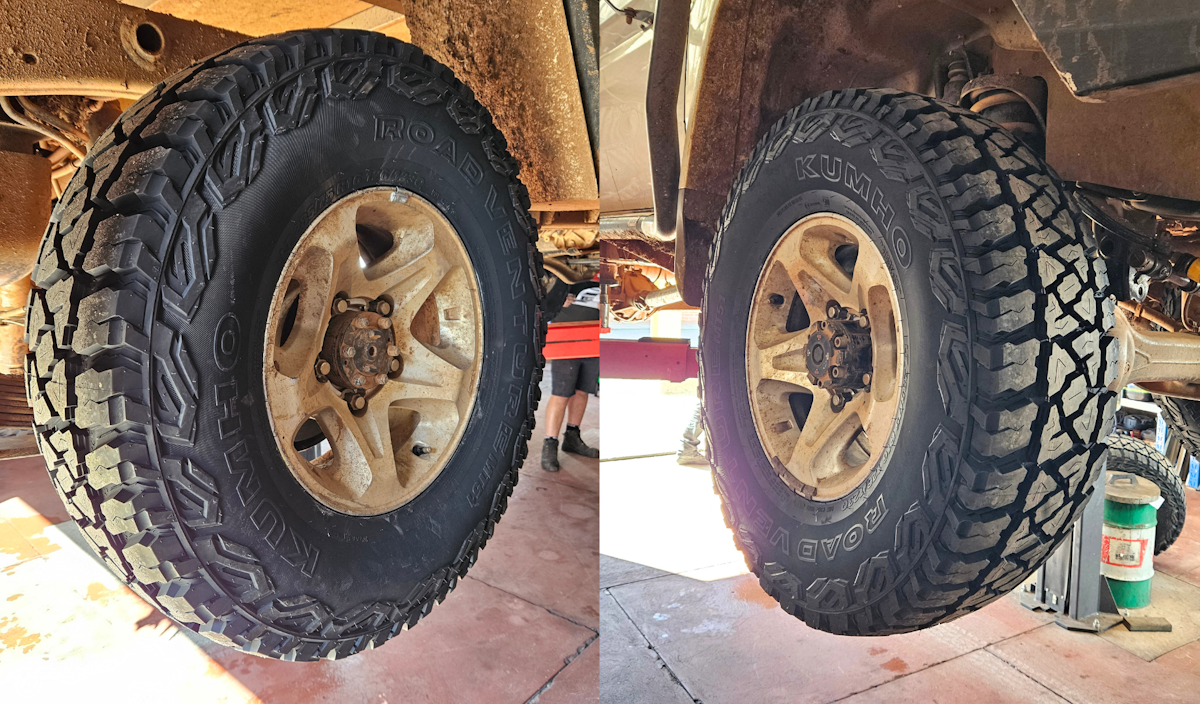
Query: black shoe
x=550 y=455
x=575 y=445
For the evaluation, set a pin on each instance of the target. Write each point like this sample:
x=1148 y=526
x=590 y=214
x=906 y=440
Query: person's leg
x=563 y=376
x=576 y=406
x=588 y=383
x=556 y=408
x=689 y=450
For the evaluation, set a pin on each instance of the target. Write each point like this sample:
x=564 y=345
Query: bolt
x=393 y=351
x=382 y=307
x=361 y=323
x=832 y=310
x=421 y=450
x=385 y=323
x=340 y=305
x=359 y=381
x=357 y=402
x=839 y=342
x=835 y=372
x=837 y=403
x=394 y=366
x=381 y=379
x=323 y=368
x=866 y=380
x=348 y=351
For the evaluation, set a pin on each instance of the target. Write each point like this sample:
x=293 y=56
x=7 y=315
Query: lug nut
x=382 y=307
x=359 y=381
x=323 y=368
x=835 y=372
x=381 y=379
x=357 y=402
x=385 y=323
x=348 y=351
x=393 y=351
x=361 y=323
x=340 y=305
x=839 y=342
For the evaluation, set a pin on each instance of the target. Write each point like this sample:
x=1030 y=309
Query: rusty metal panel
x=1143 y=142
x=1106 y=45
x=24 y=212
x=91 y=47
x=516 y=56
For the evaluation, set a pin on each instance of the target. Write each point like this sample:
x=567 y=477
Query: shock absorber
x=1179 y=269
x=1018 y=103
x=958 y=73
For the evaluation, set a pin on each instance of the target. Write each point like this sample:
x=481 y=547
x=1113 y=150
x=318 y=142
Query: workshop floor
x=684 y=622
x=520 y=628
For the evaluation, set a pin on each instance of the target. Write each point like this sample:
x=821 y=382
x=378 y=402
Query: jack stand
x=1069 y=583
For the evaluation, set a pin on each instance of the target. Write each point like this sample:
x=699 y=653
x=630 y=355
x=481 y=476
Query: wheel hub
x=359 y=353
x=838 y=355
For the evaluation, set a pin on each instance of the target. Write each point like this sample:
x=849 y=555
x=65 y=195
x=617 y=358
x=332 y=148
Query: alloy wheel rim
x=372 y=351
x=823 y=359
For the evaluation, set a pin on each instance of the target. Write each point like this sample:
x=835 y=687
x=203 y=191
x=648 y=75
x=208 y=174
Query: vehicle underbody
x=1113 y=120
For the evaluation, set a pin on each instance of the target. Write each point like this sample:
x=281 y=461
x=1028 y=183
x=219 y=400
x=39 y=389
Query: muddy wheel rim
x=822 y=453
x=364 y=434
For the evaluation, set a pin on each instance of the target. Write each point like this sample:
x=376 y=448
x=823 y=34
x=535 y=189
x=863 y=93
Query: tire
x=1183 y=418
x=156 y=434
x=998 y=437
x=1126 y=454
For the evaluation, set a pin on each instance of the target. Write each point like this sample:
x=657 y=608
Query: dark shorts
x=570 y=375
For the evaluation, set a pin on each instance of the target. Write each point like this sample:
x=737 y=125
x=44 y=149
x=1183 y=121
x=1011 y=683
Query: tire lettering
x=227 y=400
x=830 y=546
x=227 y=341
x=389 y=128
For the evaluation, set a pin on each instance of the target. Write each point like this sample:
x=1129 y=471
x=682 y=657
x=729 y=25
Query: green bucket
x=1127 y=549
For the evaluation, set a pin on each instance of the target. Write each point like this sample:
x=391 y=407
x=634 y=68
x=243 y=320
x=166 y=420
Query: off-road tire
x=998 y=440
x=1183 y=418
x=157 y=438
x=1126 y=454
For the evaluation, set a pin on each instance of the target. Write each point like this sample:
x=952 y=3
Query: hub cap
x=372 y=351
x=822 y=360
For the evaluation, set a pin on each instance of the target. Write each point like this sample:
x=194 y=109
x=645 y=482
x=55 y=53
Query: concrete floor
x=521 y=627
x=684 y=622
